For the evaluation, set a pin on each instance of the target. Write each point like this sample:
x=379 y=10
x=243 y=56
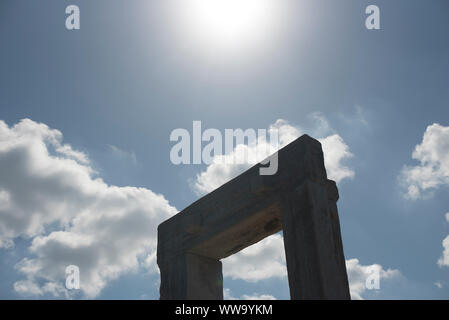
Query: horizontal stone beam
x=244 y=210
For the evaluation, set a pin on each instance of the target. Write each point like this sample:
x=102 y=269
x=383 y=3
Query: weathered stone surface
x=298 y=199
x=191 y=276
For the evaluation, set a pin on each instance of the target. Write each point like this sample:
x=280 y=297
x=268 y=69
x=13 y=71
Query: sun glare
x=229 y=23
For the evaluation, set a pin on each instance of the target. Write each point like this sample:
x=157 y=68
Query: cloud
x=27 y=288
x=49 y=193
x=257 y=296
x=227 y=295
x=433 y=168
x=263 y=260
x=358 y=275
x=266 y=259
x=335 y=152
x=122 y=154
x=431 y=173
x=222 y=170
x=444 y=259
x=357 y=119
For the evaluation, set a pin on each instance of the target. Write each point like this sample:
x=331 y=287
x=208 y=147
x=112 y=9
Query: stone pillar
x=312 y=246
x=191 y=277
x=333 y=196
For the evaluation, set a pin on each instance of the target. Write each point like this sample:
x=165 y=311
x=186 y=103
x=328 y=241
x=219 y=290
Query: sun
x=229 y=19
x=228 y=23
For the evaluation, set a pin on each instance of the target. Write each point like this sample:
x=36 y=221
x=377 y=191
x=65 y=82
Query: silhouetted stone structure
x=298 y=199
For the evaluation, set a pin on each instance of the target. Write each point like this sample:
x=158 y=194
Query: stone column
x=191 y=277
x=312 y=246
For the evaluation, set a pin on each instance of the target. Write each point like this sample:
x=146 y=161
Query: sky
x=86 y=116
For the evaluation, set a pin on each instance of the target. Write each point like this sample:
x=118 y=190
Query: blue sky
x=116 y=88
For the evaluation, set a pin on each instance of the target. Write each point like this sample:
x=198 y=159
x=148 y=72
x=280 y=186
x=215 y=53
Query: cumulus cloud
x=263 y=260
x=444 y=259
x=27 y=288
x=335 y=152
x=257 y=296
x=431 y=173
x=358 y=275
x=227 y=295
x=266 y=260
x=221 y=170
x=433 y=168
x=49 y=193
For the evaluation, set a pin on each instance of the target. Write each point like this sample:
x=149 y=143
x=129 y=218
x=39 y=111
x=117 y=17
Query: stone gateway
x=298 y=199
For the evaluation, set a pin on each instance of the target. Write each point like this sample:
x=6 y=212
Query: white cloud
x=358 y=274
x=67 y=151
x=227 y=295
x=433 y=168
x=266 y=259
x=220 y=171
x=263 y=260
x=217 y=174
x=150 y=263
x=27 y=288
x=320 y=126
x=444 y=259
x=431 y=173
x=257 y=296
x=122 y=154
x=48 y=192
x=335 y=152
